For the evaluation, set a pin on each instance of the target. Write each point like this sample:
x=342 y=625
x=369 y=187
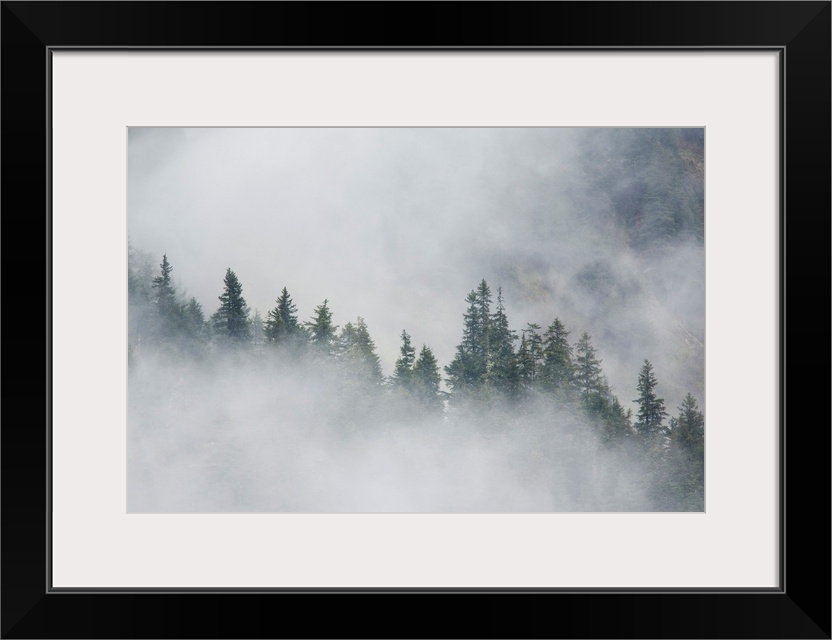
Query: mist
x=601 y=228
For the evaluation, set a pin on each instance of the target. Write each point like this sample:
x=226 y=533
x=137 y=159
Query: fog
x=601 y=228
x=265 y=437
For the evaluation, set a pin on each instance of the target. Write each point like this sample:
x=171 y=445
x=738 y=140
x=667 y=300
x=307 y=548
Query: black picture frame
x=799 y=608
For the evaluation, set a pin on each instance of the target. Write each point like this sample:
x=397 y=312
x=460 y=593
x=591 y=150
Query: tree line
x=494 y=366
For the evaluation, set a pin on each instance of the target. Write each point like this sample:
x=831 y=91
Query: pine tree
x=321 y=330
x=689 y=431
x=165 y=297
x=426 y=380
x=617 y=422
x=502 y=372
x=651 y=413
x=483 y=305
x=231 y=320
x=558 y=370
x=357 y=352
x=162 y=283
x=468 y=368
x=282 y=326
x=687 y=449
x=194 y=319
x=403 y=373
x=588 y=377
x=530 y=355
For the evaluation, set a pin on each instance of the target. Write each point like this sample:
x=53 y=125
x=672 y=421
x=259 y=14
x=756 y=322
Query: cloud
x=596 y=227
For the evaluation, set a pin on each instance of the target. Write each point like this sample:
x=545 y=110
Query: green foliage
x=617 y=423
x=194 y=319
x=322 y=331
x=588 y=377
x=689 y=430
x=530 y=356
x=687 y=444
x=543 y=375
x=164 y=297
x=426 y=380
x=467 y=369
x=558 y=370
x=651 y=413
x=282 y=326
x=403 y=372
x=485 y=363
x=231 y=321
x=501 y=367
x=357 y=352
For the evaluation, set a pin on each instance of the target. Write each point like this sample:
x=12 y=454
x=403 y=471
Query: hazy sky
x=397 y=226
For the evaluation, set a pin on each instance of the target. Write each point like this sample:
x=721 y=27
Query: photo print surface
x=415 y=320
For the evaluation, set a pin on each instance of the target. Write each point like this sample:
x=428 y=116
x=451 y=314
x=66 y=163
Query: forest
x=385 y=387
x=540 y=399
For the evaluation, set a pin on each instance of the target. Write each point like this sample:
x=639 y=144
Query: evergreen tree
x=483 y=306
x=617 y=422
x=651 y=413
x=194 y=319
x=426 y=379
x=558 y=370
x=165 y=297
x=321 y=330
x=689 y=438
x=282 y=326
x=162 y=283
x=502 y=372
x=681 y=484
x=461 y=370
x=530 y=355
x=588 y=378
x=231 y=320
x=689 y=431
x=403 y=372
x=357 y=351
x=468 y=368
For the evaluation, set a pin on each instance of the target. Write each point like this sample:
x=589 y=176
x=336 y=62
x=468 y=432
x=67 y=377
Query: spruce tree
x=321 y=329
x=231 y=320
x=588 y=377
x=467 y=369
x=651 y=412
x=483 y=306
x=194 y=319
x=165 y=297
x=502 y=372
x=687 y=445
x=617 y=423
x=689 y=431
x=357 y=352
x=426 y=380
x=282 y=326
x=558 y=370
x=530 y=355
x=403 y=372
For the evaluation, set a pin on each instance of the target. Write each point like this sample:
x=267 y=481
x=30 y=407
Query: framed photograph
x=263 y=375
